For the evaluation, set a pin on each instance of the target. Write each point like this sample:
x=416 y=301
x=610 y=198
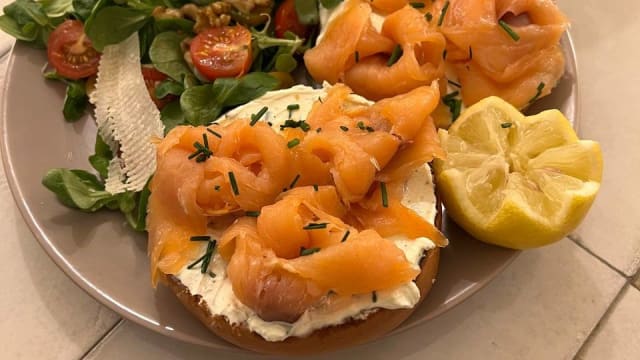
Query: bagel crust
x=331 y=338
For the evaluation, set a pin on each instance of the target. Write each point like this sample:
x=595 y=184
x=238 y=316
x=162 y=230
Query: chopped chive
x=374 y=296
x=305 y=252
x=302 y=124
x=383 y=191
x=205 y=140
x=255 y=117
x=443 y=13
x=428 y=16
x=193 y=264
x=212 y=274
x=470 y=53
x=318 y=130
x=417 y=5
x=293 y=143
x=506 y=125
x=360 y=125
x=291 y=108
x=234 y=184
x=369 y=129
x=314 y=226
x=295 y=180
x=444 y=54
x=207 y=259
x=357 y=56
x=200 y=238
x=202 y=152
x=450 y=96
x=344 y=128
x=346 y=235
x=538 y=92
x=193 y=155
x=395 y=55
x=514 y=35
x=320 y=99
x=454 y=83
x=252 y=213
x=214 y=133
x=315 y=187
x=216 y=188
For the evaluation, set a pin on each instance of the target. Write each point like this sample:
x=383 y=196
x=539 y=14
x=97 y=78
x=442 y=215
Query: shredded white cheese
x=126 y=116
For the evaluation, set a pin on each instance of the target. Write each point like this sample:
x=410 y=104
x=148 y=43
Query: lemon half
x=515 y=181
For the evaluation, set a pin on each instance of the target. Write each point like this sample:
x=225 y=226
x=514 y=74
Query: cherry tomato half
x=286 y=19
x=152 y=78
x=223 y=51
x=70 y=51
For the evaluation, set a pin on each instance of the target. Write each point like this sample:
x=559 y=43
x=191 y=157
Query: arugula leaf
x=168 y=58
x=27 y=32
x=136 y=218
x=56 y=8
x=169 y=87
x=101 y=158
x=176 y=24
x=330 y=4
x=307 y=11
x=203 y=104
x=75 y=101
x=24 y=11
x=76 y=188
x=114 y=24
x=83 y=8
x=172 y=116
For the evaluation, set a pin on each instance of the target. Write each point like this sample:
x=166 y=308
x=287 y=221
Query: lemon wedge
x=515 y=181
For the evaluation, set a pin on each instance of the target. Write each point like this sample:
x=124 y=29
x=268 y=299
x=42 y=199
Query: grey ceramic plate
x=108 y=260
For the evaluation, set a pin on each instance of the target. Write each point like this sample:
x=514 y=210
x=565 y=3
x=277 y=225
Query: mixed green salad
x=199 y=58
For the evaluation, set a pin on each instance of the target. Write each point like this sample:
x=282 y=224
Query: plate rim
x=127 y=313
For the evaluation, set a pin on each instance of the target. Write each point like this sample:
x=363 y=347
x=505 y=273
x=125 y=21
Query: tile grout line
x=607 y=313
x=576 y=240
x=103 y=338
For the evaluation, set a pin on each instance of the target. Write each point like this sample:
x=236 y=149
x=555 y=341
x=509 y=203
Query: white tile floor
x=617 y=336
x=545 y=306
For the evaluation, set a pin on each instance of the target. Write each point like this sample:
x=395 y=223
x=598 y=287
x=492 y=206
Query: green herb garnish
x=346 y=235
x=383 y=191
x=252 y=213
x=360 y=125
x=344 y=128
x=506 y=125
x=255 y=117
x=395 y=55
x=205 y=259
x=444 y=54
x=417 y=5
x=538 y=93
x=293 y=143
x=374 y=296
x=315 y=187
x=295 y=180
x=305 y=252
x=295 y=124
x=428 y=16
x=315 y=226
x=470 y=53
x=514 y=35
x=357 y=56
x=214 y=133
x=234 y=184
x=443 y=13
x=200 y=238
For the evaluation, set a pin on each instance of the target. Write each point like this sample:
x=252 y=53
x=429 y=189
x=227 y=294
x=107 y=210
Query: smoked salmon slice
x=371 y=73
x=270 y=273
x=507 y=48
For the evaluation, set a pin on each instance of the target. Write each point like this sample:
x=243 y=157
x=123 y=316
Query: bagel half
x=326 y=339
